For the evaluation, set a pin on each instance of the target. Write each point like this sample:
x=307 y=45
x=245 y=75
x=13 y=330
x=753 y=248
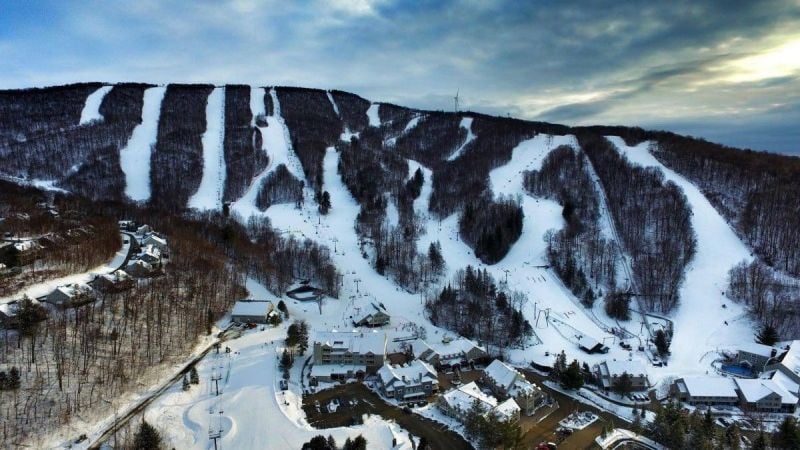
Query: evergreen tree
x=324 y=203
x=733 y=437
x=788 y=434
x=474 y=420
x=423 y=444
x=282 y=308
x=286 y=360
x=623 y=385
x=146 y=438
x=662 y=343
x=3 y=381
x=331 y=442
x=318 y=442
x=194 y=378
x=760 y=442
x=302 y=337
x=768 y=335
x=186 y=384
x=435 y=257
x=572 y=378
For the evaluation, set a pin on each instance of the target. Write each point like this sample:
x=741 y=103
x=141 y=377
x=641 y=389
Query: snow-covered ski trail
x=373 y=116
x=209 y=194
x=91 y=110
x=466 y=123
x=135 y=157
x=700 y=318
x=275 y=144
x=333 y=103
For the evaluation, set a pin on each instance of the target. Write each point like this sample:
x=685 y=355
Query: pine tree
x=186 y=384
x=760 y=442
x=331 y=443
x=282 y=308
x=623 y=384
x=302 y=337
x=662 y=344
x=435 y=257
x=788 y=434
x=286 y=360
x=768 y=335
x=572 y=378
x=146 y=438
x=324 y=203
x=194 y=378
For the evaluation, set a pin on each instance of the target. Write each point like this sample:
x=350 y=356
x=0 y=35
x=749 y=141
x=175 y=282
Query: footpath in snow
x=700 y=318
x=134 y=159
x=91 y=110
x=209 y=194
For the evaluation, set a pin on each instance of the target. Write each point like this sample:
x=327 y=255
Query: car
x=422 y=403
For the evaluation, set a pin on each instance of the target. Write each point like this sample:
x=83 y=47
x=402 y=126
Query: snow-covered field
x=209 y=194
x=91 y=110
x=135 y=157
x=700 y=319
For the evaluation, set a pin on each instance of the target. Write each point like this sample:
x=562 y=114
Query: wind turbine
x=456 y=100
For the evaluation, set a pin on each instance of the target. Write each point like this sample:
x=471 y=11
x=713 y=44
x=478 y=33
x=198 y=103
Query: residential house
x=755 y=355
x=158 y=242
x=70 y=295
x=347 y=354
x=251 y=311
x=458 y=402
x=506 y=382
x=408 y=382
x=608 y=373
x=140 y=269
x=449 y=353
x=765 y=395
x=151 y=255
x=372 y=320
x=117 y=281
x=706 y=390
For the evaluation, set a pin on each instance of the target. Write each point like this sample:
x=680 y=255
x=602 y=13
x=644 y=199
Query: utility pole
x=357 y=280
x=506 y=271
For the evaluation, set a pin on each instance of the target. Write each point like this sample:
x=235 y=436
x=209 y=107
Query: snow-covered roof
x=757 y=349
x=754 y=390
x=156 y=240
x=455 y=349
x=708 y=386
x=463 y=397
x=361 y=342
x=251 y=308
x=326 y=370
x=26 y=246
x=791 y=360
x=139 y=262
x=72 y=290
x=9 y=309
x=616 y=368
x=782 y=379
x=508 y=409
x=413 y=373
x=501 y=373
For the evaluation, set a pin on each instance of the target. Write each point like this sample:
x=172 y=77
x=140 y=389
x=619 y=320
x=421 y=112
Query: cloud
x=596 y=62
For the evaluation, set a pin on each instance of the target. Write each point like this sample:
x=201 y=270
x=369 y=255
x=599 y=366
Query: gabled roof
x=614 y=368
x=754 y=390
x=507 y=409
x=413 y=372
x=463 y=398
x=757 y=349
x=502 y=374
x=251 y=308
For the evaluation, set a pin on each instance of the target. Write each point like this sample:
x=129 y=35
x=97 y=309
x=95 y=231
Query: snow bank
x=209 y=194
x=466 y=123
x=134 y=159
x=702 y=293
x=91 y=110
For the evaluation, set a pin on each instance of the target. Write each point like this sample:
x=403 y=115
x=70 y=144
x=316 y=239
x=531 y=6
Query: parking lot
x=344 y=405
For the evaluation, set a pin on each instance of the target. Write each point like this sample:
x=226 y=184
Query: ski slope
x=276 y=144
x=373 y=116
x=209 y=194
x=91 y=110
x=258 y=106
x=135 y=157
x=466 y=123
x=699 y=320
x=333 y=103
x=409 y=126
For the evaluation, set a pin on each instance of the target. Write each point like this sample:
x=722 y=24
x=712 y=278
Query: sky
x=727 y=71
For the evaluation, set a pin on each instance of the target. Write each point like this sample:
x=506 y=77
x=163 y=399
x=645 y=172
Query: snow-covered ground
x=91 y=110
x=700 y=319
x=333 y=103
x=134 y=159
x=209 y=194
x=466 y=123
